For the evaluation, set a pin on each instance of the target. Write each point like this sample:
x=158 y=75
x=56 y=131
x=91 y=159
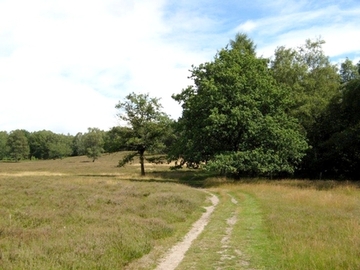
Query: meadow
x=77 y=214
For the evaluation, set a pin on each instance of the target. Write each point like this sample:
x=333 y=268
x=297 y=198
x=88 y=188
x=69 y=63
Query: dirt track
x=176 y=253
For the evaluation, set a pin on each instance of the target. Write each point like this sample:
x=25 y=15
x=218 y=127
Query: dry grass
x=74 y=214
x=288 y=224
x=311 y=225
x=106 y=165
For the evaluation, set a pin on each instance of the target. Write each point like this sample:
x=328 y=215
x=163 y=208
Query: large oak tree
x=235 y=116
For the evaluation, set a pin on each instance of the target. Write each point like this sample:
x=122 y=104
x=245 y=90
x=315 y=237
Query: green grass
x=311 y=227
x=293 y=224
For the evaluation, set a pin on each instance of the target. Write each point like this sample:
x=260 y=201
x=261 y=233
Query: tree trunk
x=142 y=162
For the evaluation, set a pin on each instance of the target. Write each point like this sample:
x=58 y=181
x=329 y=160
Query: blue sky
x=64 y=65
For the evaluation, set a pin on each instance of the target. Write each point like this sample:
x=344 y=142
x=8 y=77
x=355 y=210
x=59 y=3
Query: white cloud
x=70 y=62
x=248 y=26
x=65 y=64
x=54 y=104
x=342 y=39
x=337 y=25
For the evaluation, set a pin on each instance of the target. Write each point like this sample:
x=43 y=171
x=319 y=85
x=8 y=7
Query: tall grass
x=312 y=225
x=73 y=214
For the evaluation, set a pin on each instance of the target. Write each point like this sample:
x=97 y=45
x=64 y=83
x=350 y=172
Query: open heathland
x=74 y=214
x=78 y=214
x=288 y=224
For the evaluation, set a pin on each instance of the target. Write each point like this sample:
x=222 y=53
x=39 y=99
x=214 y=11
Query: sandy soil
x=176 y=254
x=40 y=173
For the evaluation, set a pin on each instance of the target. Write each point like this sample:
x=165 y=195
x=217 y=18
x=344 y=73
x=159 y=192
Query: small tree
x=93 y=143
x=146 y=125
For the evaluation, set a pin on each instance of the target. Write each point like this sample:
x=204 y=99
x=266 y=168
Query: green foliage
x=338 y=137
x=45 y=144
x=3 y=147
x=235 y=116
x=78 y=145
x=349 y=71
x=38 y=142
x=147 y=124
x=61 y=147
x=243 y=44
x=312 y=82
x=309 y=77
x=93 y=143
x=18 y=145
x=127 y=159
x=115 y=139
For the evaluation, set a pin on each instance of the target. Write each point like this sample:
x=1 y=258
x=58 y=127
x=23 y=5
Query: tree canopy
x=235 y=116
x=45 y=144
x=18 y=145
x=3 y=144
x=349 y=71
x=338 y=130
x=309 y=77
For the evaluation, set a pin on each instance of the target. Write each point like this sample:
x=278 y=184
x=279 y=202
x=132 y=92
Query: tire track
x=225 y=241
x=229 y=252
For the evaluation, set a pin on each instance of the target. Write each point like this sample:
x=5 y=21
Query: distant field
x=76 y=214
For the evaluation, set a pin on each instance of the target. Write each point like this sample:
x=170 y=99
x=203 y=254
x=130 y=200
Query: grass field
x=76 y=214
x=290 y=224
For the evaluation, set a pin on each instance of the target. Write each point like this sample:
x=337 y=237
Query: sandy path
x=177 y=252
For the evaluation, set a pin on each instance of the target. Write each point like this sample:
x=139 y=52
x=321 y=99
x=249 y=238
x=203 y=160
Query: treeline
x=327 y=106
x=294 y=114
x=21 y=144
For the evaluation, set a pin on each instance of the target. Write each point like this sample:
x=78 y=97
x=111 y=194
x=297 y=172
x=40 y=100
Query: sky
x=64 y=65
